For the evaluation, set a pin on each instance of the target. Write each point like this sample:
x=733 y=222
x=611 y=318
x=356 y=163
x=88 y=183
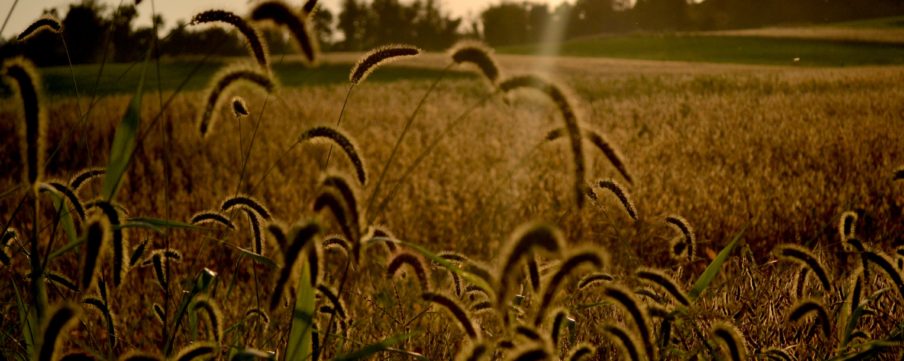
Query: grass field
x=764 y=155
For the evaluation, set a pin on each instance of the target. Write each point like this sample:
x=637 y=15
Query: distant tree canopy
x=110 y=33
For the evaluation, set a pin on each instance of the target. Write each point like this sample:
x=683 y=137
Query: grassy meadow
x=751 y=150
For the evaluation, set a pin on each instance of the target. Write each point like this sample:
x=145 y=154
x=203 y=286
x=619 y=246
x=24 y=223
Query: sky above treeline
x=174 y=10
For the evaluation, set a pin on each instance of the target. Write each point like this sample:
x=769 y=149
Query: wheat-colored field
x=768 y=155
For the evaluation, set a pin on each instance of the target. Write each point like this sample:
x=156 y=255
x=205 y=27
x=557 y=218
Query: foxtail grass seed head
x=478 y=54
x=349 y=195
x=59 y=320
x=343 y=141
x=807 y=307
x=119 y=241
x=316 y=265
x=282 y=15
x=382 y=234
x=78 y=356
x=569 y=117
x=137 y=355
x=621 y=194
x=733 y=340
x=64 y=191
x=309 y=7
x=160 y=270
x=197 y=351
x=25 y=82
x=104 y=310
x=159 y=313
x=336 y=302
x=594 y=279
x=221 y=83
x=625 y=298
x=474 y=352
x=806 y=258
x=665 y=282
x=257 y=237
x=379 y=57
x=213 y=314
x=98 y=236
x=337 y=242
x=9 y=235
x=609 y=151
x=774 y=353
x=847 y=225
x=299 y=237
x=215 y=217
x=524 y=242
x=415 y=262
x=277 y=231
x=84 y=176
x=529 y=333
x=885 y=263
x=257 y=313
x=47 y=22
x=800 y=282
x=239 y=107
x=581 y=352
x=458 y=313
x=533 y=272
x=58 y=279
x=559 y=320
x=899 y=173
x=690 y=240
x=252 y=36
x=532 y=353
x=331 y=200
x=626 y=341
x=246 y=202
x=577 y=259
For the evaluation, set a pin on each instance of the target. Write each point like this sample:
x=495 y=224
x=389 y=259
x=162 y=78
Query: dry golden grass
x=781 y=152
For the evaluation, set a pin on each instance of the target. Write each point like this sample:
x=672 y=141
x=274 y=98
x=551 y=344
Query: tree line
x=362 y=24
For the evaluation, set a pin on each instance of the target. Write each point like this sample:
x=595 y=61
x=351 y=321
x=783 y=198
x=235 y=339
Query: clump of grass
x=379 y=57
x=806 y=307
x=562 y=101
x=59 y=320
x=343 y=141
x=732 y=338
x=685 y=247
x=252 y=36
x=665 y=282
x=45 y=22
x=621 y=194
x=806 y=258
x=457 y=312
x=478 y=54
x=98 y=236
x=25 y=81
x=221 y=83
x=280 y=14
x=415 y=262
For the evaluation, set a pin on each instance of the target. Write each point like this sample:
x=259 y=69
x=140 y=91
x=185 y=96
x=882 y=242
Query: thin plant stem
x=395 y=147
x=348 y=94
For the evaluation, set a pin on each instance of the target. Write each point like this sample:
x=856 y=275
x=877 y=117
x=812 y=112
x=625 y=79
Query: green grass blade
x=372 y=349
x=714 y=267
x=124 y=141
x=301 y=335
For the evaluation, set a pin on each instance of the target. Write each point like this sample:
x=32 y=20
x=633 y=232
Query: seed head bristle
x=196 y=350
x=252 y=36
x=85 y=175
x=280 y=14
x=45 y=22
x=475 y=52
x=732 y=338
x=59 y=320
x=457 y=312
x=804 y=257
x=299 y=237
x=524 y=241
x=621 y=194
x=343 y=141
x=379 y=57
x=569 y=117
x=625 y=298
x=574 y=261
x=212 y=312
x=239 y=107
x=683 y=226
x=805 y=307
x=25 y=82
x=415 y=262
x=221 y=83
x=212 y=216
x=246 y=202
x=666 y=282
x=625 y=340
x=98 y=236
